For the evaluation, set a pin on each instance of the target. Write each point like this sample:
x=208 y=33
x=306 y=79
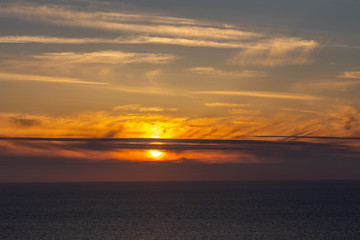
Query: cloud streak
x=130 y=121
x=53 y=40
x=261 y=94
x=342 y=85
x=258 y=48
x=113 y=21
x=140 y=108
x=352 y=74
x=276 y=52
x=124 y=40
x=226 y=105
x=105 y=57
x=209 y=71
x=276 y=157
x=185 y=144
x=38 y=78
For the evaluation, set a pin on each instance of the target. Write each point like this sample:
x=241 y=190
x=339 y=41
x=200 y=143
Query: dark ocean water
x=181 y=210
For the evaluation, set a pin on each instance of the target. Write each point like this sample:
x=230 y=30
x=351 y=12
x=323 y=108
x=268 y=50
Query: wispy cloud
x=177 y=144
x=113 y=21
x=226 y=105
x=25 y=7
x=147 y=121
x=299 y=110
x=332 y=85
x=140 y=108
x=39 y=78
x=232 y=108
x=342 y=46
x=52 y=40
x=88 y=67
x=187 y=42
x=225 y=74
x=261 y=94
x=258 y=48
x=106 y=57
x=124 y=40
x=352 y=74
x=239 y=111
x=210 y=151
x=276 y=52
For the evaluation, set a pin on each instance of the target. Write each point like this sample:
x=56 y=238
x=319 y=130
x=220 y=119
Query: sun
x=155 y=154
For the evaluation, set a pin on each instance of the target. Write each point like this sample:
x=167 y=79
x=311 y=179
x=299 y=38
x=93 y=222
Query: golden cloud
x=227 y=105
x=224 y=74
x=328 y=84
x=125 y=40
x=140 y=108
x=39 y=78
x=106 y=57
x=262 y=94
x=135 y=23
x=352 y=74
x=276 y=52
x=341 y=121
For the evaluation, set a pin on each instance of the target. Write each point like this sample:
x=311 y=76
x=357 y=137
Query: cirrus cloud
x=276 y=52
x=262 y=94
x=123 y=22
x=106 y=57
x=41 y=78
x=140 y=108
x=226 y=74
x=350 y=74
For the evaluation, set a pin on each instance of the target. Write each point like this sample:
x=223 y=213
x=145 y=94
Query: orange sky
x=179 y=70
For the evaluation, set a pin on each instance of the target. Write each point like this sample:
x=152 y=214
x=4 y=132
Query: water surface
x=181 y=210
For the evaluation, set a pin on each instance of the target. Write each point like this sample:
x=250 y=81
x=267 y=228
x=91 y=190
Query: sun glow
x=155 y=154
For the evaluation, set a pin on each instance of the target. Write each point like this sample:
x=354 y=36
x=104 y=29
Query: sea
x=181 y=210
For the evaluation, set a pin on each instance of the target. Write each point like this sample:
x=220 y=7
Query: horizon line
x=188 y=140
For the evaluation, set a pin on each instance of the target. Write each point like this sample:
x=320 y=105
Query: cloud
x=138 y=28
x=25 y=122
x=327 y=85
x=131 y=121
x=99 y=124
x=107 y=69
x=186 y=42
x=276 y=52
x=296 y=166
x=219 y=73
x=261 y=94
x=140 y=108
x=106 y=57
x=299 y=110
x=126 y=40
x=342 y=46
x=239 y=111
x=133 y=23
x=349 y=75
x=232 y=108
x=346 y=117
x=226 y=105
x=90 y=159
x=173 y=144
x=53 y=40
x=27 y=77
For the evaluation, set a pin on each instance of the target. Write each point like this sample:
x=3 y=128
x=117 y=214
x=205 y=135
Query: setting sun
x=155 y=154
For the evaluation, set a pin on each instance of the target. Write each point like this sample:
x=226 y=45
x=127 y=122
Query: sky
x=179 y=90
